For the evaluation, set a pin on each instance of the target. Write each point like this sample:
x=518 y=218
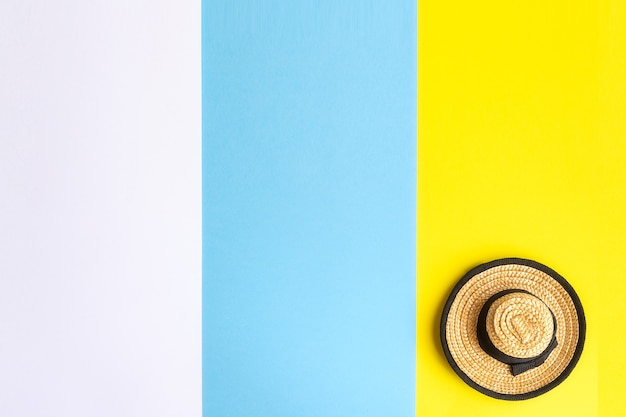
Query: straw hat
x=513 y=329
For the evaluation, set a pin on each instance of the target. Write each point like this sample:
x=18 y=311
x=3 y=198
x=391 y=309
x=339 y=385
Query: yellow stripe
x=522 y=152
x=610 y=244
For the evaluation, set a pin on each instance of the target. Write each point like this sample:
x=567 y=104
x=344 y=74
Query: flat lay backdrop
x=100 y=208
x=521 y=152
x=309 y=208
x=238 y=208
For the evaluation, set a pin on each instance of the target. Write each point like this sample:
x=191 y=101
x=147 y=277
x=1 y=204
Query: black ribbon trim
x=518 y=365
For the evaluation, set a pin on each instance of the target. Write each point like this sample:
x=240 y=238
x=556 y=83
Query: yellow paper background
x=522 y=152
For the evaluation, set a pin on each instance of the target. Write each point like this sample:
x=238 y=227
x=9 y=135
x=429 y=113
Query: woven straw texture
x=520 y=338
x=520 y=325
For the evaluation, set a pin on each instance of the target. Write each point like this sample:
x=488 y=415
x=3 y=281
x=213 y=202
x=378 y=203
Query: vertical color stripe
x=521 y=153
x=611 y=200
x=309 y=208
x=100 y=208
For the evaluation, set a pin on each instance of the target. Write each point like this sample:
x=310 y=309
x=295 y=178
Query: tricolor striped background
x=237 y=208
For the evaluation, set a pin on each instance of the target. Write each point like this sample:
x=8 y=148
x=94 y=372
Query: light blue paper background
x=309 y=168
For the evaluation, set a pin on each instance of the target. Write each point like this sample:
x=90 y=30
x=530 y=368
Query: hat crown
x=522 y=329
x=520 y=325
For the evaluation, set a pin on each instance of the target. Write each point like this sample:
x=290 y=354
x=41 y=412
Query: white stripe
x=100 y=208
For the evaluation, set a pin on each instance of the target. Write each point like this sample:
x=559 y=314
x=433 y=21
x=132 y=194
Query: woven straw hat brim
x=459 y=322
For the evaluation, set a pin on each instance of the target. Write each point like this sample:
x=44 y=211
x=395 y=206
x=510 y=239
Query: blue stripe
x=309 y=167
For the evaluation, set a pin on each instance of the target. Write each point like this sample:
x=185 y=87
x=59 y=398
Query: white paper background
x=100 y=208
